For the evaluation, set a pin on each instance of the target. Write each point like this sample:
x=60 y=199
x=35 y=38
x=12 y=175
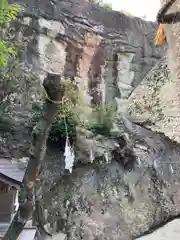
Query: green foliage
x=127 y=13
x=11 y=78
x=100 y=123
x=68 y=113
x=102 y=4
x=11 y=68
x=5 y=53
x=66 y=117
x=107 y=5
x=102 y=120
x=8 y=14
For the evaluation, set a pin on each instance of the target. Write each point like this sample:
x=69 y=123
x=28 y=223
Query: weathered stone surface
x=169 y=231
x=155 y=102
x=109 y=200
x=106 y=52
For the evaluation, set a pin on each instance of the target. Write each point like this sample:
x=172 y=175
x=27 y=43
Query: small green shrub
x=127 y=13
x=67 y=117
x=37 y=112
x=102 y=120
x=58 y=130
x=102 y=4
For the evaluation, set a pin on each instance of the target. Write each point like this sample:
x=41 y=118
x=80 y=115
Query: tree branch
x=55 y=91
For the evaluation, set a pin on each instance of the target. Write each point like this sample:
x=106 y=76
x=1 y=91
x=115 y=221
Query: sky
x=138 y=8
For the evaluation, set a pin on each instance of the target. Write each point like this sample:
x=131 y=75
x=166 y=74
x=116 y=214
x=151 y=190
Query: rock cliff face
x=120 y=187
x=106 y=52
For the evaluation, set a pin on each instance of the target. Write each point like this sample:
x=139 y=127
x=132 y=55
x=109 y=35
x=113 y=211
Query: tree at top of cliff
x=101 y=3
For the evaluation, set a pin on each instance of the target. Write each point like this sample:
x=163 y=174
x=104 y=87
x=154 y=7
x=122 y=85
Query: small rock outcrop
x=155 y=102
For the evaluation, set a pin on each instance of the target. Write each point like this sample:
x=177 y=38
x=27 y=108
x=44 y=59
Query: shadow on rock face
x=106 y=200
